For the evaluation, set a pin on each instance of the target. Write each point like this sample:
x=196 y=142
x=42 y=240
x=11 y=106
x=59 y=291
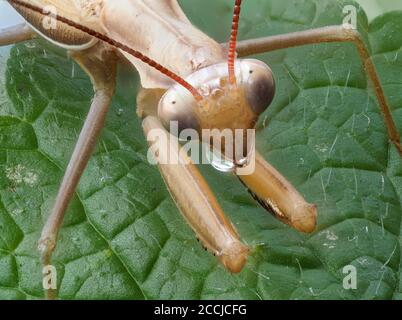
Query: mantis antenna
x=119 y=45
x=233 y=42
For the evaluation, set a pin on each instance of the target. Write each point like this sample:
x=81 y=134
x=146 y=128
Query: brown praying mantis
x=176 y=62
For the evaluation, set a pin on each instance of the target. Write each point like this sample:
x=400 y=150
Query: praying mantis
x=172 y=82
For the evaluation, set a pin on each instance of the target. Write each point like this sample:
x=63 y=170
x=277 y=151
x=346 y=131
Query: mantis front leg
x=194 y=197
x=100 y=65
x=276 y=194
x=15 y=34
x=325 y=35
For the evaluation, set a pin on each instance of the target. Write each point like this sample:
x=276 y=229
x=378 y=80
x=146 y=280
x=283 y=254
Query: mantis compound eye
x=178 y=107
x=259 y=85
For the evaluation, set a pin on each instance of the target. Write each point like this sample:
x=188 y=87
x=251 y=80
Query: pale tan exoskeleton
x=175 y=62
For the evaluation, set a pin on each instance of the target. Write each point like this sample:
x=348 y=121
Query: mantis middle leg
x=14 y=34
x=100 y=64
x=325 y=35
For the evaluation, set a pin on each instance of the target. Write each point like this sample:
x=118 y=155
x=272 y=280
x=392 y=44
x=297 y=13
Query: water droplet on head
x=219 y=162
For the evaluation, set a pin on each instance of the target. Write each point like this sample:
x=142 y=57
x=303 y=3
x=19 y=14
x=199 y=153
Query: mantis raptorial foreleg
x=100 y=65
x=194 y=197
x=275 y=193
x=14 y=34
x=322 y=35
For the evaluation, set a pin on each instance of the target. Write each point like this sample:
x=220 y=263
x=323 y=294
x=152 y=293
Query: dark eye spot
x=173 y=102
x=251 y=71
x=260 y=91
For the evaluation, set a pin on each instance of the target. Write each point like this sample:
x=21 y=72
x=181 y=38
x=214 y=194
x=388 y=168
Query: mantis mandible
x=176 y=61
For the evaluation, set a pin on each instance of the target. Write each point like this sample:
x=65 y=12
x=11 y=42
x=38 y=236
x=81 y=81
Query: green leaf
x=123 y=237
x=374 y=8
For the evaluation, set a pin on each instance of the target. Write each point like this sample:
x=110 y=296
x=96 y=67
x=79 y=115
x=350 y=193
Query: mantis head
x=224 y=105
x=228 y=96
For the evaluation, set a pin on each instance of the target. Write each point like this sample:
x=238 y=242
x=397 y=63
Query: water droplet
x=219 y=163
